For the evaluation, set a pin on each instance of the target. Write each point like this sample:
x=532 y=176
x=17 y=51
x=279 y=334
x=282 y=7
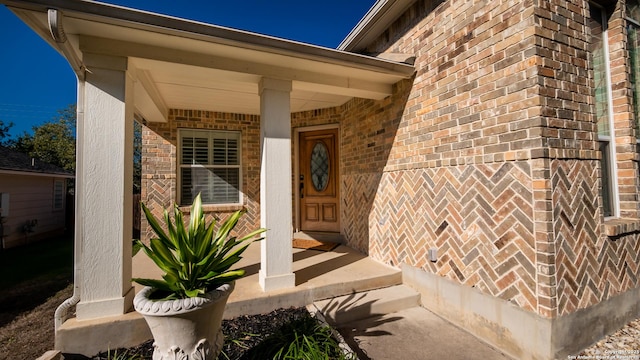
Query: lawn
x=42 y=260
x=35 y=279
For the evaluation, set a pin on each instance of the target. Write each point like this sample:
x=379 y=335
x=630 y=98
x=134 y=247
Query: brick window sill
x=214 y=208
x=618 y=227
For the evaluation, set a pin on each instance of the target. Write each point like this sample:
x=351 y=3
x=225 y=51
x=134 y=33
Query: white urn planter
x=185 y=329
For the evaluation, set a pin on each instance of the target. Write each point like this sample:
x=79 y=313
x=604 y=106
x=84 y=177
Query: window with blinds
x=210 y=166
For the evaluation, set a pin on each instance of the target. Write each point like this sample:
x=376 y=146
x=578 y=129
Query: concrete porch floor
x=319 y=275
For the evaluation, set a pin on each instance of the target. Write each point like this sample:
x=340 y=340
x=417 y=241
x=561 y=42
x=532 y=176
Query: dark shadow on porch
x=307 y=273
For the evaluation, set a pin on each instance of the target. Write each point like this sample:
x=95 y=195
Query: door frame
x=296 y=170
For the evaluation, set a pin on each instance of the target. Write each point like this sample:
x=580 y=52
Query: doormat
x=314 y=245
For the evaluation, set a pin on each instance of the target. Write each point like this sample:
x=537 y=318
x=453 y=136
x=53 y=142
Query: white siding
x=31 y=198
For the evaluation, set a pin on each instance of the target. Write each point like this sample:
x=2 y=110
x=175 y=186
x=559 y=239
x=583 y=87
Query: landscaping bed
x=283 y=333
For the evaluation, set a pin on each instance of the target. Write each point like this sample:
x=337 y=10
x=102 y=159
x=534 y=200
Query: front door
x=319 y=193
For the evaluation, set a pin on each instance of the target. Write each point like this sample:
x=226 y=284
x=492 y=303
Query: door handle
x=301 y=190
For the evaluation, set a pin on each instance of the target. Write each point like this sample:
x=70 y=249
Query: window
x=58 y=194
x=209 y=165
x=603 y=106
x=633 y=46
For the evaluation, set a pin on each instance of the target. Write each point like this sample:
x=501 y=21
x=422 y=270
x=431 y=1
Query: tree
x=54 y=141
x=4 y=132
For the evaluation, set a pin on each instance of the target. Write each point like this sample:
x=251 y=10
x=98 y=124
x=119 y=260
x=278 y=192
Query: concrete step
x=356 y=306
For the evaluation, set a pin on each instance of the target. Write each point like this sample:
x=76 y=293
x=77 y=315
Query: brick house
x=499 y=137
x=491 y=154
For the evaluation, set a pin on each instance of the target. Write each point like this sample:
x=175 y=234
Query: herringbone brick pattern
x=480 y=218
x=358 y=194
x=590 y=267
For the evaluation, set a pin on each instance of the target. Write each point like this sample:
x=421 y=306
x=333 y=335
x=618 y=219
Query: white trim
x=382 y=14
x=179 y=166
x=296 y=168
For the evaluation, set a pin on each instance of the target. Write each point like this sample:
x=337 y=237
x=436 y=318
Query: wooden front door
x=319 y=192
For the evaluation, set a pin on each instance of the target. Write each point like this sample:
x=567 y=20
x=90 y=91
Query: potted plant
x=184 y=310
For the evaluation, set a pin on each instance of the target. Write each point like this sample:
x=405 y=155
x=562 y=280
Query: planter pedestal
x=185 y=329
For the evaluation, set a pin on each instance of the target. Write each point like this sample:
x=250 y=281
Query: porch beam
x=276 y=260
x=105 y=172
x=149 y=102
x=329 y=82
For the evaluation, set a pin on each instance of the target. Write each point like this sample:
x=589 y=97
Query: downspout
x=64 y=311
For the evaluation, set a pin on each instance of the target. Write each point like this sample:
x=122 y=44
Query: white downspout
x=64 y=311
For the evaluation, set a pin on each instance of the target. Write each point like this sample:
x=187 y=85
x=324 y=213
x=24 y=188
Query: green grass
x=42 y=260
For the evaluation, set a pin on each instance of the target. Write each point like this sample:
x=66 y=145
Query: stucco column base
x=90 y=337
x=105 y=307
x=276 y=282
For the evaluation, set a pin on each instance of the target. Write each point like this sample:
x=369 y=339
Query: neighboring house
x=33 y=198
x=488 y=148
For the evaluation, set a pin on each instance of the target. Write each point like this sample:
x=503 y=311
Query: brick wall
x=495 y=159
x=159 y=172
x=489 y=155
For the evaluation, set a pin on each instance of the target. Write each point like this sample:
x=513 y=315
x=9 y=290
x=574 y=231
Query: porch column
x=105 y=170
x=276 y=261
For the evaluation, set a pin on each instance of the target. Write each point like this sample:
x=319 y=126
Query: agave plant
x=195 y=260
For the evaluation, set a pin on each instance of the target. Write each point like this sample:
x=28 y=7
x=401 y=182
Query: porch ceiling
x=190 y=65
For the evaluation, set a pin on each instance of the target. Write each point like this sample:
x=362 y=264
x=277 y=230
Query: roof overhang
x=36 y=173
x=381 y=15
x=185 y=64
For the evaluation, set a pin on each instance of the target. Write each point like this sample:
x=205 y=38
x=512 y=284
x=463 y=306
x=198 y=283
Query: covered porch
x=138 y=65
x=319 y=275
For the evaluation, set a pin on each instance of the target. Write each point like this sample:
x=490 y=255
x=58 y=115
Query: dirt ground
x=26 y=317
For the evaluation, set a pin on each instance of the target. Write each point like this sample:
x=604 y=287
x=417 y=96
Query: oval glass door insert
x=320 y=166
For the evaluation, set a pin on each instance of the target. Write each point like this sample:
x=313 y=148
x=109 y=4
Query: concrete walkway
x=414 y=334
x=390 y=324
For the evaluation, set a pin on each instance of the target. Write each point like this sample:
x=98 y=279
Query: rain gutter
x=55 y=19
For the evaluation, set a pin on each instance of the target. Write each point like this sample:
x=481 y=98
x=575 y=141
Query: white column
x=276 y=266
x=105 y=167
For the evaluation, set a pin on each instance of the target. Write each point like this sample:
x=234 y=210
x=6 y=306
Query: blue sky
x=36 y=81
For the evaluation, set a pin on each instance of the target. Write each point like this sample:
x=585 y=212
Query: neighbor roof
x=12 y=161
